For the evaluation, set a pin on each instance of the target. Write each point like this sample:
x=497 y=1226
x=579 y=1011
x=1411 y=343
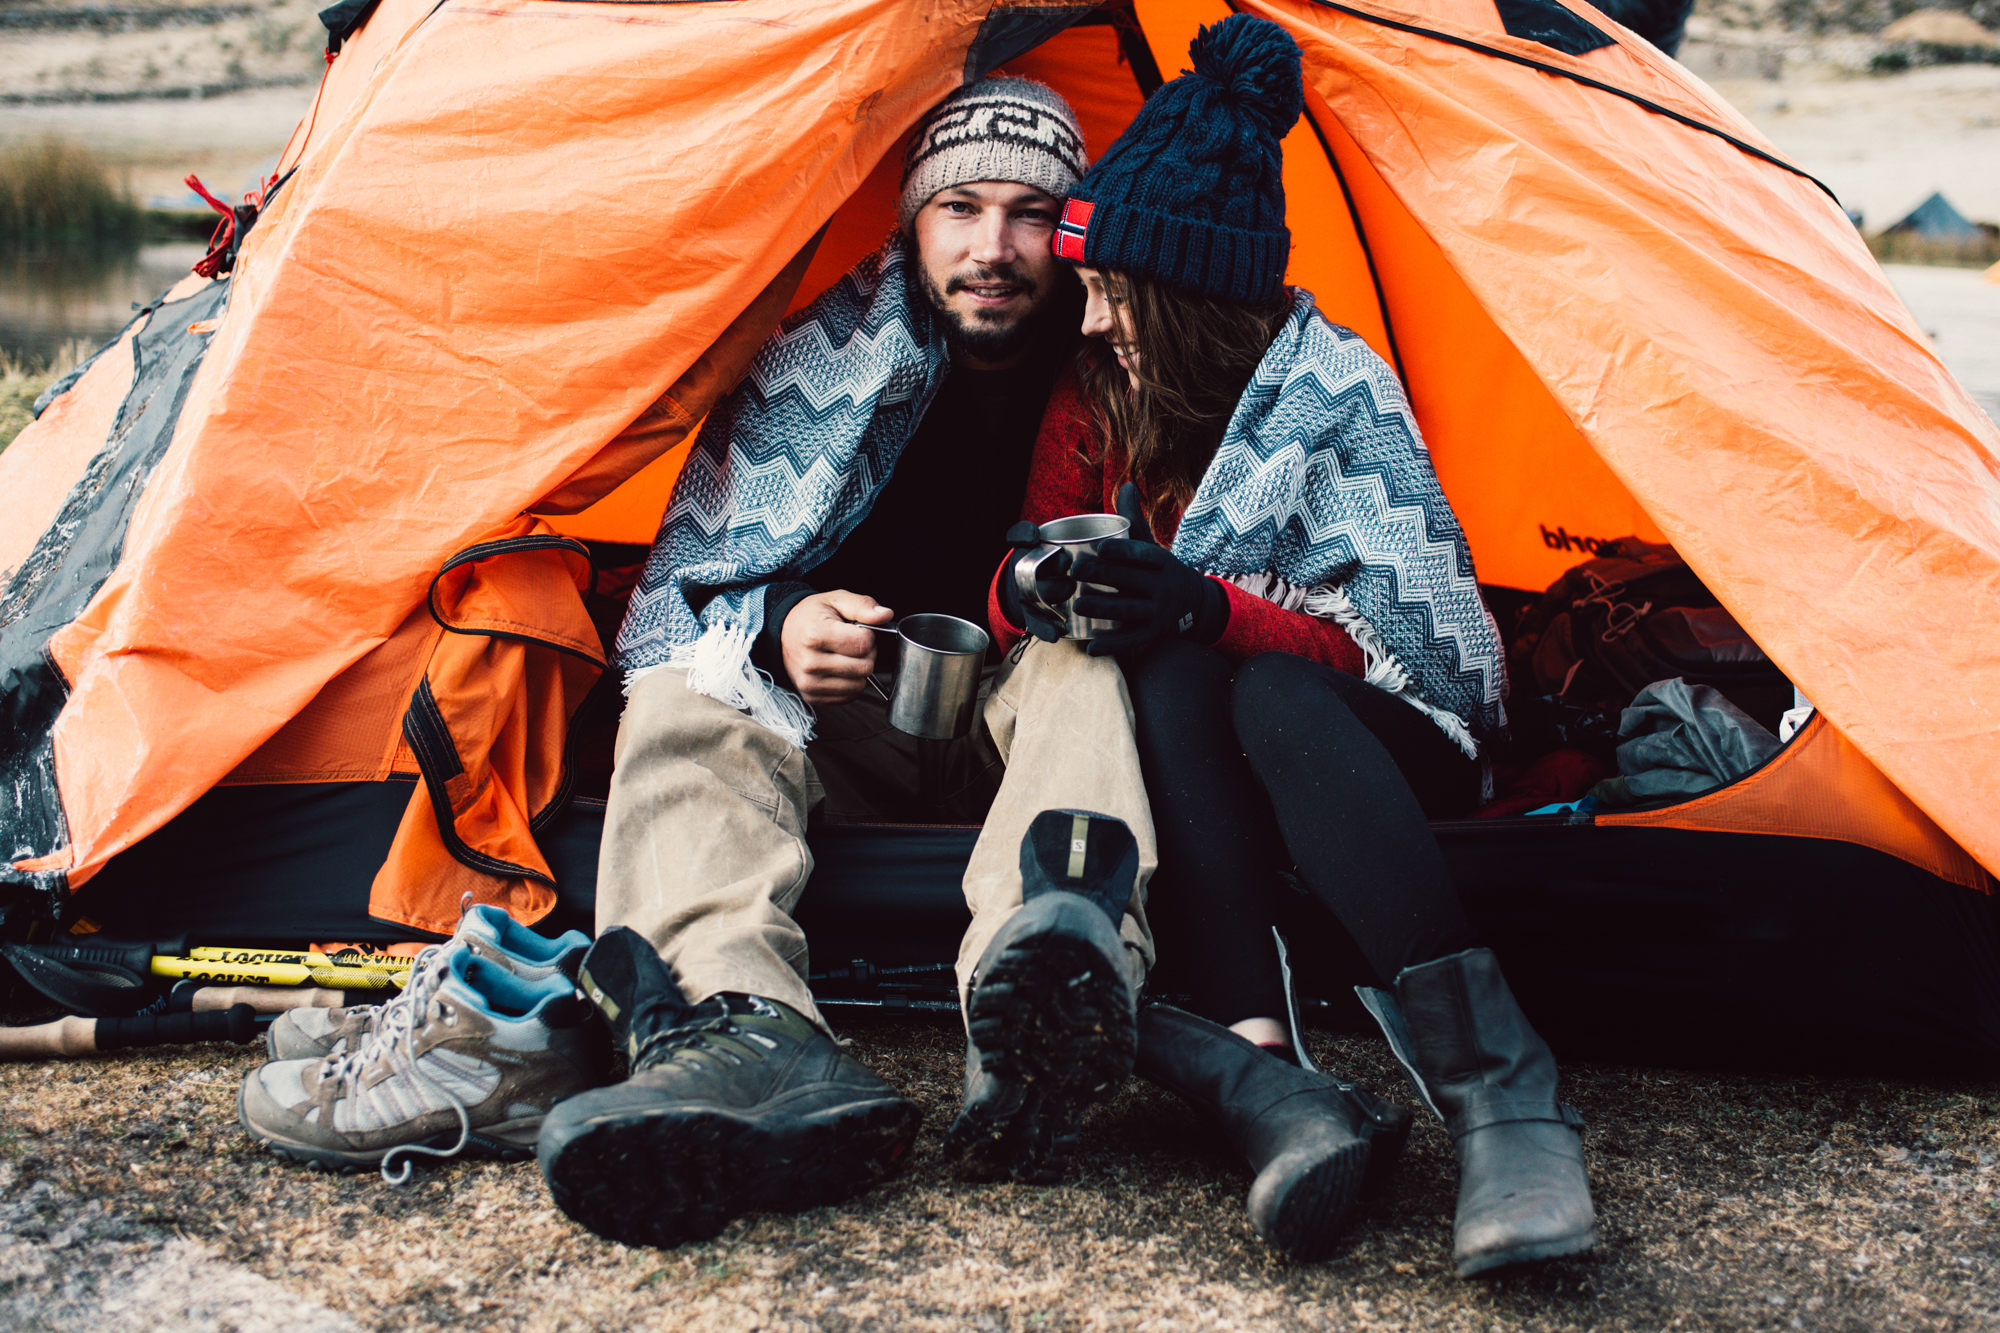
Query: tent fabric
x=1617 y=310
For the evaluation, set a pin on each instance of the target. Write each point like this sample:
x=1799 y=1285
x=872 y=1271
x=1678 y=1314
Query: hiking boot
x=1050 y=1018
x=314 y=1034
x=735 y=1105
x=472 y=1058
x=1523 y=1195
x=1314 y=1143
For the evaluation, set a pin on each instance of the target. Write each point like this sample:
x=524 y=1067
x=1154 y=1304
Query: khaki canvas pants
x=704 y=834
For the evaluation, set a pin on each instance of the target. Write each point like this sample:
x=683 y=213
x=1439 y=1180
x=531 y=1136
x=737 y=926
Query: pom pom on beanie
x=1192 y=193
x=1258 y=62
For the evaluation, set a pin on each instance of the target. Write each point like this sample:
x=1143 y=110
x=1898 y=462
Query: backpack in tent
x=521 y=246
x=1632 y=614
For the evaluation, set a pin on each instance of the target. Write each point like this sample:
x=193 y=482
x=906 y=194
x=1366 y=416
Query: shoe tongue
x=1075 y=851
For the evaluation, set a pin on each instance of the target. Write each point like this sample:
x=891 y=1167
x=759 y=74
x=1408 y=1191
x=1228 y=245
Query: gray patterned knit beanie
x=993 y=130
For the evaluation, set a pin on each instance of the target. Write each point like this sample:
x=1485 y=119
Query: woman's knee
x=1176 y=680
x=1273 y=692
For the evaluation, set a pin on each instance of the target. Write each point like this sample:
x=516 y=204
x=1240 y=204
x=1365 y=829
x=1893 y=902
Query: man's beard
x=980 y=339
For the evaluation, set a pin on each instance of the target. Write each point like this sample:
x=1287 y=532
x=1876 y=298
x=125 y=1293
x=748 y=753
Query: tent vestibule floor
x=129 y=1197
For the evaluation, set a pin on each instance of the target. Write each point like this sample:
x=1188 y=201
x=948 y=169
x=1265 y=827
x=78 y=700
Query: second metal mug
x=1079 y=534
x=937 y=676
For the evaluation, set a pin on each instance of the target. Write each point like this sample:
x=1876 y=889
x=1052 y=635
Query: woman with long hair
x=1311 y=668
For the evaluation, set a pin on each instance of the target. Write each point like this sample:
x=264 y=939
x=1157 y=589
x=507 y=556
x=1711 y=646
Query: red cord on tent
x=219 y=240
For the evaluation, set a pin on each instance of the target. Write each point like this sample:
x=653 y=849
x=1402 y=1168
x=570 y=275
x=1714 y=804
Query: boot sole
x=1517 y=1255
x=1052 y=1015
x=676 y=1174
x=1304 y=1221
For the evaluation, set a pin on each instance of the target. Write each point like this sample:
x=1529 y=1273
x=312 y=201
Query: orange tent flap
x=352 y=731
x=1820 y=786
x=1523 y=480
x=1713 y=325
x=418 y=346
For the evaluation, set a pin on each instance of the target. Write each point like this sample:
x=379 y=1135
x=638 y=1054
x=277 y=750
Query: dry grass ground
x=129 y=1197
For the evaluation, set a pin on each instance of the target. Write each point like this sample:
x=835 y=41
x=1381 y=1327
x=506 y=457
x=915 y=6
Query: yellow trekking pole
x=302 y=969
x=378 y=962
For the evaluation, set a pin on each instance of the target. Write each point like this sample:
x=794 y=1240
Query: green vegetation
x=56 y=193
x=1823 y=17
x=1911 y=55
x=21 y=384
x=1902 y=247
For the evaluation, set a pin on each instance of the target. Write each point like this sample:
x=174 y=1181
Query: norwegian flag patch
x=1070 y=231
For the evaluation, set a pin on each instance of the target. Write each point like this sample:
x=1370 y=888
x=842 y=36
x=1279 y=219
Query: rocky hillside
x=1828 y=18
x=120 y=50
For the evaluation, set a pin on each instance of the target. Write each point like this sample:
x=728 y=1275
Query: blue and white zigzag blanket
x=785 y=468
x=1320 y=498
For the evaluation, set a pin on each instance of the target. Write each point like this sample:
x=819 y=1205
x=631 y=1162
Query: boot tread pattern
x=675 y=1175
x=1050 y=1015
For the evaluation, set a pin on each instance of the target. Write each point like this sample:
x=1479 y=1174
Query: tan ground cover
x=1728 y=1202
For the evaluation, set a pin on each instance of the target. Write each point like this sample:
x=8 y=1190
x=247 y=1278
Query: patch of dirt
x=1727 y=1202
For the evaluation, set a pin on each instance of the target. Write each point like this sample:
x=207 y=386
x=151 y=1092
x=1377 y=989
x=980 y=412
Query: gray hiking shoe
x=314 y=1034
x=735 y=1105
x=469 y=1057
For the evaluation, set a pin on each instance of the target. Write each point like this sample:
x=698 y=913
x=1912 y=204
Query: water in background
x=49 y=297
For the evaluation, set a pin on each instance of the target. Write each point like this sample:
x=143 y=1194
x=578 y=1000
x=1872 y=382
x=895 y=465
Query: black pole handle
x=237 y=1023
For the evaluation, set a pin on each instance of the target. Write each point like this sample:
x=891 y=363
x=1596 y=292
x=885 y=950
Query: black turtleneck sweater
x=938 y=530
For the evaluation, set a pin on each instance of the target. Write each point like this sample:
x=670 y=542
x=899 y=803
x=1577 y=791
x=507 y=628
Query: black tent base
x=1637 y=945
x=291 y=864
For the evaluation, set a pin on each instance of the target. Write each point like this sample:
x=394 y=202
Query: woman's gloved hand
x=1156 y=594
x=1054 y=586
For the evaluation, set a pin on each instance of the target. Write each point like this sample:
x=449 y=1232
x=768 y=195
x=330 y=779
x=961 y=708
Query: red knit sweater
x=1062 y=481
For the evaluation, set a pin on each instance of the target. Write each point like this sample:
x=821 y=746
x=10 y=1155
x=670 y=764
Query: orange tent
x=521 y=245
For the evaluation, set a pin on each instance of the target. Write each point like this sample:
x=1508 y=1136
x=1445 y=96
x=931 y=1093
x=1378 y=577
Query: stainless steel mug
x=937 y=676
x=1079 y=534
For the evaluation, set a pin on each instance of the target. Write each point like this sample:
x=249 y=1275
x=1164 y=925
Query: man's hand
x=828 y=653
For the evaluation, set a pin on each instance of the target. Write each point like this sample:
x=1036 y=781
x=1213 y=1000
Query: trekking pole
x=324 y=972
x=265 y=1001
x=307 y=957
x=67 y=1038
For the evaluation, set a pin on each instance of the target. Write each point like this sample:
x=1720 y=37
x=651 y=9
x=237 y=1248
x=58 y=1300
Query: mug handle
x=1028 y=574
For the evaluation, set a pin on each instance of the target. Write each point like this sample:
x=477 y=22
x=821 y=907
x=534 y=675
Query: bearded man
x=870 y=464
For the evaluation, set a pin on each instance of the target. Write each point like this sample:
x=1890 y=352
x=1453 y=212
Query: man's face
x=983 y=251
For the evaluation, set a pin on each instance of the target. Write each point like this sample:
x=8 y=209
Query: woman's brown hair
x=1196 y=354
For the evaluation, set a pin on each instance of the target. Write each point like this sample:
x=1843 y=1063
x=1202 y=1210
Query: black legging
x=1286 y=763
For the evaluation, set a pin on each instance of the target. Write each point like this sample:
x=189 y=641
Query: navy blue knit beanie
x=1191 y=193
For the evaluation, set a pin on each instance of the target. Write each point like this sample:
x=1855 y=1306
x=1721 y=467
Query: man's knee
x=675 y=744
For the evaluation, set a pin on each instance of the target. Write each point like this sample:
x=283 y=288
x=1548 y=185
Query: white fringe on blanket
x=718 y=665
x=1328 y=601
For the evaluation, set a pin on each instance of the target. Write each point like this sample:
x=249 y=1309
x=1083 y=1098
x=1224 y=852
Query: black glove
x=1054 y=585
x=1156 y=595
